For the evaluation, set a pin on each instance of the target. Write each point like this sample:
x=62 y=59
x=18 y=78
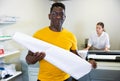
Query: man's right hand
x=39 y=55
x=32 y=58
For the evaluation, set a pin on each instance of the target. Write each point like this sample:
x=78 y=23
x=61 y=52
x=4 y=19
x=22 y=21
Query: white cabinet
x=8 y=53
x=17 y=72
x=29 y=72
x=33 y=73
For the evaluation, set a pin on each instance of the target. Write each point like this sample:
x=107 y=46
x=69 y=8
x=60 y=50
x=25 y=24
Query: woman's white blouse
x=99 y=42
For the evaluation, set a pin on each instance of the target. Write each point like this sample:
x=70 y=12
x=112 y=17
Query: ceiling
x=58 y=0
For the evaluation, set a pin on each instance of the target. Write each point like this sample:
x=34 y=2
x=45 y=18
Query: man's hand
x=32 y=58
x=39 y=55
x=93 y=63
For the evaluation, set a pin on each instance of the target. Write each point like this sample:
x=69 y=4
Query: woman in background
x=99 y=40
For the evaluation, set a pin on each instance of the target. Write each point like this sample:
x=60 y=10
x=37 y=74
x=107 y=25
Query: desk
x=107 y=69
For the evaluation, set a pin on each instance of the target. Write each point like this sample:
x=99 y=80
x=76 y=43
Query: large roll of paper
x=61 y=58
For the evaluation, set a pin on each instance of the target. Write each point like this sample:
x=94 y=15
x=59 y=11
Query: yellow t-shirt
x=63 y=39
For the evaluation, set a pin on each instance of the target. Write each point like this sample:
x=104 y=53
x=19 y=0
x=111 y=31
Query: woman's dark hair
x=57 y=5
x=101 y=24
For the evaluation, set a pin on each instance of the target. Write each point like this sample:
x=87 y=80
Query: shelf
x=7 y=22
x=6 y=54
x=9 y=53
x=3 y=38
x=16 y=74
x=8 y=19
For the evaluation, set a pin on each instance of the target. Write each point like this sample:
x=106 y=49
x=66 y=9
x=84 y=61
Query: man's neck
x=56 y=29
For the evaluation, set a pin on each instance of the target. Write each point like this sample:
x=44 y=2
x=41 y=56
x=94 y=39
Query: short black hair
x=57 y=5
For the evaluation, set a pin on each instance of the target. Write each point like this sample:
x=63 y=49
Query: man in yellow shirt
x=56 y=35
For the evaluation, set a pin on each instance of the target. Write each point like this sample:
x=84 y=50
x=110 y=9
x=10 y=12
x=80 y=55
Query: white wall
x=32 y=15
x=82 y=16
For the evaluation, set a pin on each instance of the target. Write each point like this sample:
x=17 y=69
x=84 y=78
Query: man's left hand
x=93 y=63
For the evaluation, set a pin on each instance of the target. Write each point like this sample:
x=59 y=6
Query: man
x=56 y=35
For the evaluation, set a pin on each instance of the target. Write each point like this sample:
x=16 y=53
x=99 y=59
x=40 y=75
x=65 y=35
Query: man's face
x=57 y=16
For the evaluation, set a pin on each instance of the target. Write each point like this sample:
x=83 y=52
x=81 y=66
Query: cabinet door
x=102 y=80
x=105 y=75
x=85 y=78
x=33 y=76
x=33 y=73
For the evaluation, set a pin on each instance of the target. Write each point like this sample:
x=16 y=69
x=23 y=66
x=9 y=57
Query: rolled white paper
x=61 y=58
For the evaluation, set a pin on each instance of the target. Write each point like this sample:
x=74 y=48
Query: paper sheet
x=109 y=57
x=83 y=53
x=63 y=59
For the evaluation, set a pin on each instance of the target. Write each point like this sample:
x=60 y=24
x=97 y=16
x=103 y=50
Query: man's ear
x=65 y=17
x=49 y=16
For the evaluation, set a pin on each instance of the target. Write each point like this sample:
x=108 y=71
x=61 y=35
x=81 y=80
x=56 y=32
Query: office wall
x=82 y=16
x=31 y=15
